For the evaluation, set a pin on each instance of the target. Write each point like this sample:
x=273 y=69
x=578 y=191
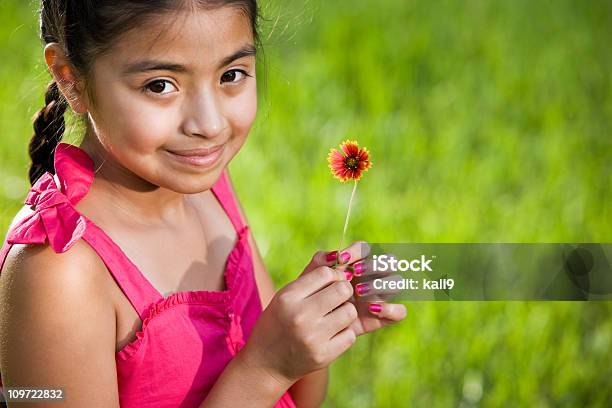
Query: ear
x=65 y=76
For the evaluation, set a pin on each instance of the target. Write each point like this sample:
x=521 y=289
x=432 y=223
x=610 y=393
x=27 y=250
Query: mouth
x=203 y=157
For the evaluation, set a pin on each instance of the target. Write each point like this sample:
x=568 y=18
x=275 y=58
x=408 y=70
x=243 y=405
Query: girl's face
x=175 y=85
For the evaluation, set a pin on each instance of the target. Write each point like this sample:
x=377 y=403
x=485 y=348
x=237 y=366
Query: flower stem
x=348 y=214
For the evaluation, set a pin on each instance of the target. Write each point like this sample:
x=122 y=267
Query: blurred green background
x=487 y=121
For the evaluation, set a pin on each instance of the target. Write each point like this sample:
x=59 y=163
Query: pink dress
x=187 y=338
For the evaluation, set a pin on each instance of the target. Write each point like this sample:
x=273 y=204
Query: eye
x=231 y=75
x=157 y=86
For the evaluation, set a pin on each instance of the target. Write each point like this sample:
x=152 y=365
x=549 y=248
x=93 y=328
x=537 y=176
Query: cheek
x=243 y=112
x=125 y=120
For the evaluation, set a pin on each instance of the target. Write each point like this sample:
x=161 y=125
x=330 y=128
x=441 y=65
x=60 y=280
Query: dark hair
x=85 y=29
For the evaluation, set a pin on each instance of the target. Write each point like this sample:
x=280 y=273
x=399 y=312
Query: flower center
x=351 y=163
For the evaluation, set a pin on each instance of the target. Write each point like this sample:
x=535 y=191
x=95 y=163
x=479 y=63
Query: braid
x=49 y=128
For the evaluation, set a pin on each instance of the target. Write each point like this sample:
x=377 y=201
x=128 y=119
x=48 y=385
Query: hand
x=359 y=265
x=306 y=326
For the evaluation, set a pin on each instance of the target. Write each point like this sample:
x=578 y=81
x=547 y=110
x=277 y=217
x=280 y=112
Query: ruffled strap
x=54 y=218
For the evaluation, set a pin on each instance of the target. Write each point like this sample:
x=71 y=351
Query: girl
x=131 y=277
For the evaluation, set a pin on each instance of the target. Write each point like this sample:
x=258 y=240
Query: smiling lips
x=198 y=157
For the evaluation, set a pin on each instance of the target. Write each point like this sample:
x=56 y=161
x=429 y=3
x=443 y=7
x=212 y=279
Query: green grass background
x=488 y=121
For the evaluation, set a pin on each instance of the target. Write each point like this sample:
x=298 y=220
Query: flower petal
x=350 y=148
x=350 y=162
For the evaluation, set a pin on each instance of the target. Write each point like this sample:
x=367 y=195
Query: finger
x=342 y=342
x=355 y=252
x=385 y=285
x=321 y=258
x=340 y=318
x=394 y=312
x=329 y=298
x=366 y=266
x=371 y=321
x=377 y=297
x=310 y=283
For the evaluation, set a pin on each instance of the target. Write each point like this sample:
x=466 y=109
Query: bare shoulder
x=38 y=267
x=57 y=323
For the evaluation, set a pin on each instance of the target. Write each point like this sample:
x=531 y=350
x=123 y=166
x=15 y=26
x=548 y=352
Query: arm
x=58 y=325
x=245 y=383
x=311 y=389
x=57 y=329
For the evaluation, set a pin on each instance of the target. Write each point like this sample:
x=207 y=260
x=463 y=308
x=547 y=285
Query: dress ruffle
x=54 y=218
x=235 y=338
x=224 y=299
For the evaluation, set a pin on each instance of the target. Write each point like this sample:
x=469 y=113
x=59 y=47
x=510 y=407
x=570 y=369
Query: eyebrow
x=155 y=65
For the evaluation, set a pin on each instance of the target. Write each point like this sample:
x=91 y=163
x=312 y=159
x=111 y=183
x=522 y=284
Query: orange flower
x=350 y=163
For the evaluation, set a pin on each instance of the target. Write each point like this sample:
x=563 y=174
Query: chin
x=194 y=183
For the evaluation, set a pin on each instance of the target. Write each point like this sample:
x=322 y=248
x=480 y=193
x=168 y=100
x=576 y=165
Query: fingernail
x=358 y=268
x=348 y=274
x=331 y=256
x=344 y=257
x=362 y=288
x=374 y=307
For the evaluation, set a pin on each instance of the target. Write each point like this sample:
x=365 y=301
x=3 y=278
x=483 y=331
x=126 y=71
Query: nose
x=204 y=116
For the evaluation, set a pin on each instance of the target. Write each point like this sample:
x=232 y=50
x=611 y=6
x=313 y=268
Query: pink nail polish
x=348 y=274
x=344 y=257
x=358 y=268
x=362 y=288
x=374 y=307
x=331 y=256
